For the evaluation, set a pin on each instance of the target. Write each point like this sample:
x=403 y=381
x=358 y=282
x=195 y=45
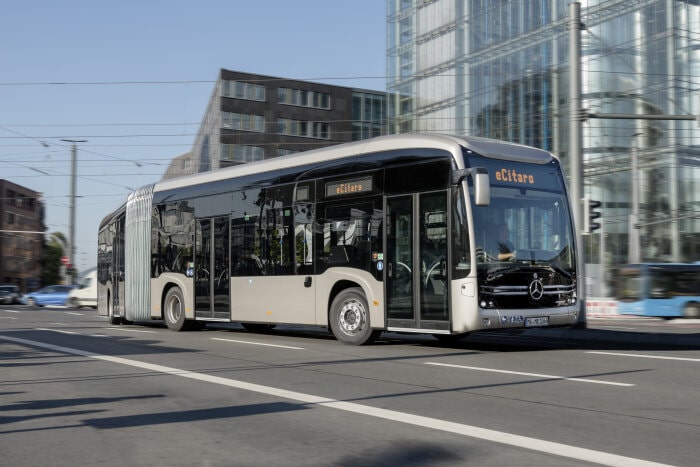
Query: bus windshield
x=527 y=220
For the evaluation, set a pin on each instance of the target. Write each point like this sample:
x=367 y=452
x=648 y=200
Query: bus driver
x=503 y=249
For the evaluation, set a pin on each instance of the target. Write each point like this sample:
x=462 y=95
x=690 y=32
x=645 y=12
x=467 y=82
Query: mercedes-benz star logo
x=536 y=289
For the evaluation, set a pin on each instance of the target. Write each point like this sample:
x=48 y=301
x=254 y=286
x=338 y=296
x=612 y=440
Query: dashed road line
x=257 y=343
x=659 y=357
x=536 y=375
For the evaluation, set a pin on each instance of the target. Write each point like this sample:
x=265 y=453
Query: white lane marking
x=257 y=343
x=12 y=311
x=532 y=444
x=537 y=375
x=56 y=330
x=74 y=313
x=616 y=327
x=131 y=330
x=8 y=317
x=660 y=357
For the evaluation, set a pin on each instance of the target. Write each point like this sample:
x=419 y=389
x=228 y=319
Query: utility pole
x=73 y=180
x=575 y=148
x=575 y=122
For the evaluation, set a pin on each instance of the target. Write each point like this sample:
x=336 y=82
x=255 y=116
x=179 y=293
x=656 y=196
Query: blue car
x=49 y=295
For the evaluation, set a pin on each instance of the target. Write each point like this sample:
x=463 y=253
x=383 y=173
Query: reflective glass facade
x=500 y=69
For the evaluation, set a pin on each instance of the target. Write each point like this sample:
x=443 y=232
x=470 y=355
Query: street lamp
x=73 y=177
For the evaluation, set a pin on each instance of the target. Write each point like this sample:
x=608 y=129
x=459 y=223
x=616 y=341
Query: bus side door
x=417 y=261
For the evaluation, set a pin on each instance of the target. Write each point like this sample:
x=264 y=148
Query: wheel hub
x=351 y=317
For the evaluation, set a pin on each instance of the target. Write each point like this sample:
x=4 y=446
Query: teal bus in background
x=664 y=290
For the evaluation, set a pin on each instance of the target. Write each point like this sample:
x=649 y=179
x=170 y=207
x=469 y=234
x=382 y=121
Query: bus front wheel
x=174 y=310
x=349 y=318
x=692 y=310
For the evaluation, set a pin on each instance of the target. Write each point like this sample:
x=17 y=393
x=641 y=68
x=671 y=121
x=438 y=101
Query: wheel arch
x=335 y=280
x=160 y=287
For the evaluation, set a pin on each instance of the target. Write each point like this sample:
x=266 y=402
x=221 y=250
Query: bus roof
x=485 y=147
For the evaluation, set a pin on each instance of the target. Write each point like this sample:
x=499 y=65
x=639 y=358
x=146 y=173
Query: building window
x=186 y=164
x=289 y=127
x=243 y=90
x=284 y=152
x=304 y=98
x=241 y=153
x=245 y=122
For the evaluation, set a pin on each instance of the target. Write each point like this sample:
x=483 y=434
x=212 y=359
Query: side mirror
x=482 y=187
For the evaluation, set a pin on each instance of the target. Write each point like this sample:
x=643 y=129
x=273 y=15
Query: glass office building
x=500 y=69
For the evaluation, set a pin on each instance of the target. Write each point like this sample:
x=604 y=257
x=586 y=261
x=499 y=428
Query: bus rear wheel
x=110 y=312
x=174 y=311
x=349 y=318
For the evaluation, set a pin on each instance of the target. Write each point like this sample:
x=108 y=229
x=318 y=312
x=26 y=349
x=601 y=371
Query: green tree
x=51 y=263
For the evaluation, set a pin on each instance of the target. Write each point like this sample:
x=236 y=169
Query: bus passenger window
x=349 y=234
x=303 y=237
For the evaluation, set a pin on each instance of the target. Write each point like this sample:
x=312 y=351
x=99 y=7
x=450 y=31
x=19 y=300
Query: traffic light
x=590 y=215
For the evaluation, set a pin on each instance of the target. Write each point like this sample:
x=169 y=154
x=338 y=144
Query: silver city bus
x=406 y=233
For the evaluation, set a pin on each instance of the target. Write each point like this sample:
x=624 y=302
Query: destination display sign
x=349 y=187
x=518 y=174
x=514 y=176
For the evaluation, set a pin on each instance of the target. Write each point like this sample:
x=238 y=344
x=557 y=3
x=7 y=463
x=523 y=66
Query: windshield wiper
x=555 y=268
x=525 y=264
x=492 y=274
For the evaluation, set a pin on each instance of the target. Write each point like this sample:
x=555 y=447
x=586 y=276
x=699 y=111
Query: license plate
x=537 y=321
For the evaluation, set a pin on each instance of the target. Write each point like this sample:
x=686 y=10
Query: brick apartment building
x=21 y=236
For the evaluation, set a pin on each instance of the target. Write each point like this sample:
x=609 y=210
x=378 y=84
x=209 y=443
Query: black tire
x=692 y=310
x=114 y=320
x=349 y=318
x=174 y=311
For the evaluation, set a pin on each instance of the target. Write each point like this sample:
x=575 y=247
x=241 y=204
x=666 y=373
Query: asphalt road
x=77 y=391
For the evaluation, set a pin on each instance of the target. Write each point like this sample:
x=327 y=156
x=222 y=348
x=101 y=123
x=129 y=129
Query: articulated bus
x=397 y=233
x=663 y=290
